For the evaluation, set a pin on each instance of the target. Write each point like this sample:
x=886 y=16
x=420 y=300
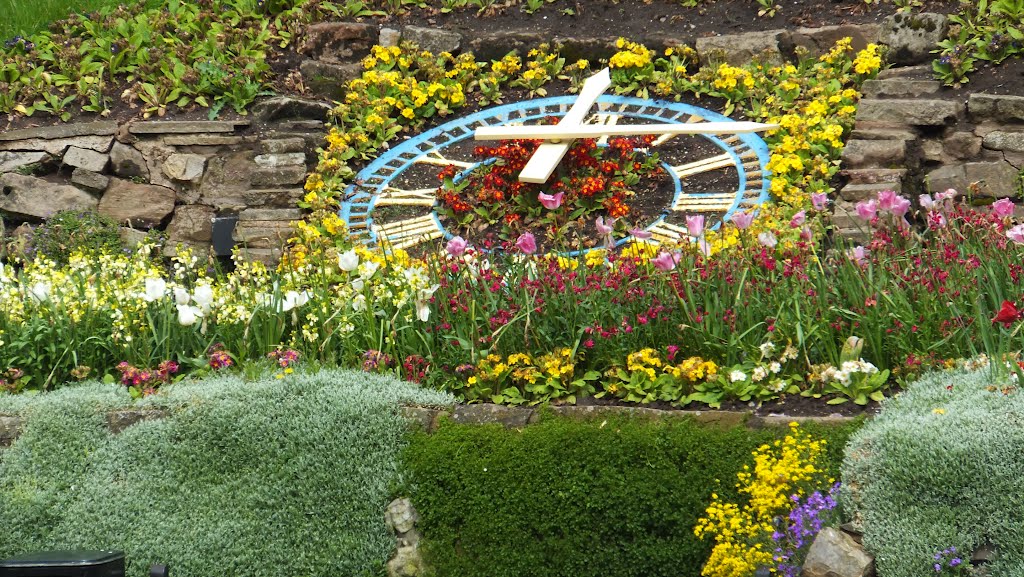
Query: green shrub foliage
x=941 y=466
x=615 y=497
x=68 y=231
x=272 y=477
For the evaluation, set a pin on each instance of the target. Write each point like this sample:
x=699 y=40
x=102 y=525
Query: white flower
x=767 y=239
x=775 y=368
x=737 y=376
x=789 y=354
x=368 y=269
x=187 y=314
x=294 y=299
x=348 y=261
x=155 y=289
x=423 y=302
x=359 y=303
x=181 y=296
x=40 y=291
x=759 y=374
x=3 y=274
x=767 y=348
x=203 y=296
x=357 y=284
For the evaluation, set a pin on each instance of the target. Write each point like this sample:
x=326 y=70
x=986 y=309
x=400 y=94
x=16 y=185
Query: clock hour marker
x=714 y=202
x=603 y=120
x=663 y=231
x=437 y=159
x=402 y=197
x=409 y=232
x=704 y=165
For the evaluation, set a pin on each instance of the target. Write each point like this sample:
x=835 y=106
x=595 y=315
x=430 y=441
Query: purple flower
x=640 y=233
x=819 y=200
x=666 y=261
x=798 y=219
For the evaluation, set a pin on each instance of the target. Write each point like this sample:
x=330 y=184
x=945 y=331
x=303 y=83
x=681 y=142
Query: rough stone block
x=836 y=554
x=495 y=45
x=909 y=112
x=226 y=182
x=888 y=176
x=327 y=80
x=260 y=228
x=283 y=145
x=510 y=417
x=191 y=223
x=61 y=131
x=912 y=37
x=899 y=88
x=284 y=159
x=818 y=41
x=962 y=145
x=10 y=428
x=287 y=107
x=86 y=159
x=338 y=41
x=945 y=178
x=1004 y=140
x=434 y=40
x=28 y=196
x=88 y=179
x=118 y=421
x=739 y=49
x=272 y=176
x=389 y=37
x=874 y=153
x=997 y=179
x=185 y=126
x=127 y=162
x=56 y=147
x=184 y=167
x=995 y=107
x=137 y=205
x=12 y=161
x=866 y=191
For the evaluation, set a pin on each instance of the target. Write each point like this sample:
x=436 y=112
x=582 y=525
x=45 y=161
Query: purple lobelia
x=794 y=533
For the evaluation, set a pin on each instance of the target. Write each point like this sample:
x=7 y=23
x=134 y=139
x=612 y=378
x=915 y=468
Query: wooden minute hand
x=561 y=131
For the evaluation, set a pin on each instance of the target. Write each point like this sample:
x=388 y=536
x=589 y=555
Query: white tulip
x=368 y=269
x=181 y=296
x=187 y=315
x=294 y=299
x=40 y=291
x=348 y=261
x=203 y=296
x=359 y=303
x=358 y=284
x=155 y=289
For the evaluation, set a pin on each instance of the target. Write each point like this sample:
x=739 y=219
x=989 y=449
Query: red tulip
x=1008 y=313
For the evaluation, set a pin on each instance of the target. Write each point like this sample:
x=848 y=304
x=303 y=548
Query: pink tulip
x=551 y=201
x=926 y=201
x=867 y=209
x=666 y=261
x=605 y=229
x=527 y=243
x=742 y=220
x=695 y=225
x=948 y=194
x=819 y=200
x=456 y=246
x=858 y=254
x=703 y=246
x=640 y=234
x=1016 y=234
x=798 y=219
x=806 y=234
x=1002 y=208
x=767 y=239
x=886 y=198
x=900 y=206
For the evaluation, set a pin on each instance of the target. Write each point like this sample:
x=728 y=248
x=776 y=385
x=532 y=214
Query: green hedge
x=941 y=467
x=243 y=478
x=610 y=497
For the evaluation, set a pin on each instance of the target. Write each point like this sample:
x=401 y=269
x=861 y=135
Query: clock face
x=393 y=200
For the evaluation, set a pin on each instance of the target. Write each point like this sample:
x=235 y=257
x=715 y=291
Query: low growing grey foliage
x=266 y=478
x=941 y=466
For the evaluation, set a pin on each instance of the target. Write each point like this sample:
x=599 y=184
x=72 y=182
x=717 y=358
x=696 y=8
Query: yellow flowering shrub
x=520 y=378
x=649 y=376
x=741 y=531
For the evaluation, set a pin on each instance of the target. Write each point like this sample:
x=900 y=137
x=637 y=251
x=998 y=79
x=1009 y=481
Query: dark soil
x=789 y=406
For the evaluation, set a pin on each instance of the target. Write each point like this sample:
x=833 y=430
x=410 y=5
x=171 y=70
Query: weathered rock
x=276 y=160
x=28 y=196
x=739 y=49
x=908 y=112
x=407 y=562
x=268 y=256
x=875 y=175
x=421 y=418
x=184 y=167
x=283 y=145
x=287 y=107
x=191 y=223
x=327 y=80
x=818 y=41
x=62 y=131
x=12 y=161
x=127 y=162
x=847 y=223
x=137 y=205
x=265 y=227
x=85 y=158
x=918 y=72
x=94 y=181
x=227 y=181
x=433 y=39
x=10 y=428
x=495 y=45
x=284 y=175
x=836 y=554
x=1004 y=140
x=997 y=179
x=587 y=47
x=56 y=147
x=945 y=178
x=155 y=153
x=874 y=153
x=118 y=421
x=912 y=37
x=400 y=516
x=932 y=151
x=273 y=197
x=338 y=41
x=962 y=145
x=389 y=37
x=185 y=126
x=202 y=140
x=899 y=88
x=995 y=107
x=866 y=191
x=511 y=417
x=880 y=133
x=132 y=237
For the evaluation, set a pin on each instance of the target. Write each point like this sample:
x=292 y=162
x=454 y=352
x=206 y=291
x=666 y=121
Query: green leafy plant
x=70 y=231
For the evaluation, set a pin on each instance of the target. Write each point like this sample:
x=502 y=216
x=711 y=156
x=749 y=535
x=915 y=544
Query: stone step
x=874 y=153
x=899 y=88
x=888 y=176
x=995 y=107
x=867 y=191
x=909 y=112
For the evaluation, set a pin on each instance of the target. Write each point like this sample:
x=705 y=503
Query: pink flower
x=695 y=225
x=551 y=201
x=867 y=209
x=666 y=261
x=798 y=219
x=819 y=200
x=900 y=206
x=527 y=243
x=705 y=248
x=948 y=194
x=742 y=220
x=605 y=229
x=858 y=254
x=806 y=234
x=640 y=234
x=1002 y=208
x=936 y=220
x=456 y=246
x=767 y=239
x=927 y=202
x=886 y=199
x=1016 y=234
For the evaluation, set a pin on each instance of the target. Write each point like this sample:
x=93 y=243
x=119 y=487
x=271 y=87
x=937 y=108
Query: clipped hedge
x=941 y=467
x=564 y=497
x=241 y=478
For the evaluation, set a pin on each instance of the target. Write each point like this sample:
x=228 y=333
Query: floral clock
x=395 y=201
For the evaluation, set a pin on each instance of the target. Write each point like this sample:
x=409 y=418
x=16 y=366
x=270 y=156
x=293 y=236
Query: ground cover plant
x=934 y=476
x=253 y=477
x=565 y=496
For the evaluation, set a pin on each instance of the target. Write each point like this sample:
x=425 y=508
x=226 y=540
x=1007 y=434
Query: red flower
x=1008 y=313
